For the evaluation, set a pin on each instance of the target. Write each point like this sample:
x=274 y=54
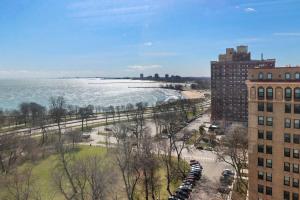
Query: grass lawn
x=42 y=174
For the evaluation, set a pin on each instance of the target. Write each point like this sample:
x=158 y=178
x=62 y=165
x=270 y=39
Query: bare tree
x=57 y=111
x=100 y=177
x=112 y=112
x=90 y=178
x=129 y=109
x=233 y=150
x=127 y=159
x=179 y=144
x=9 y=152
x=118 y=110
x=42 y=123
x=25 y=110
x=36 y=110
x=85 y=113
x=20 y=185
x=2 y=118
x=71 y=111
x=149 y=165
x=166 y=156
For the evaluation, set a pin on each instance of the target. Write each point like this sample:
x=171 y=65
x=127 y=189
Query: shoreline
x=192 y=94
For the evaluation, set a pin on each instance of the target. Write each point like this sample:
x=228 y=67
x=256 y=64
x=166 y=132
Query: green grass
x=42 y=175
x=41 y=172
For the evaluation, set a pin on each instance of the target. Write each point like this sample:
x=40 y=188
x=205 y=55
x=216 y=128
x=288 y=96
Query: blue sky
x=53 y=38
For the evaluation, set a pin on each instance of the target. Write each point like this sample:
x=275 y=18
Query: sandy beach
x=193 y=94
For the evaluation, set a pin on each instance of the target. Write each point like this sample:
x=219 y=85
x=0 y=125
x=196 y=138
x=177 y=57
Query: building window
x=297 y=76
x=269 y=107
x=296 y=168
x=261 y=93
x=286 y=166
x=260 y=106
x=287 y=152
x=295 y=153
x=260 y=175
x=287 y=76
x=297 y=93
x=268 y=163
x=269 y=76
x=260 y=76
x=260 y=148
x=261 y=120
x=295 y=196
x=287 y=123
x=288 y=108
x=260 y=134
x=269 y=135
x=288 y=94
x=296 y=139
x=260 y=162
x=269 y=121
x=269 y=149
x=297 y=108
x=286 y=195
x=270 y=93
x=297 y=123
x=260 y=189
x=295 y=182
x=268 y=191
x=286 y=180
x=269 y=177
x=287 y=138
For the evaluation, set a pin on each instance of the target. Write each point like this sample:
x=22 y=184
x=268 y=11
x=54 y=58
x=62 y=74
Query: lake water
x=82 y=91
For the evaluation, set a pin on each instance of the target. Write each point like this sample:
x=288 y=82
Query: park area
x=41 y=176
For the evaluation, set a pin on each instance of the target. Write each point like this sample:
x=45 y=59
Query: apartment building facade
x=274 y=133
x=228 y=88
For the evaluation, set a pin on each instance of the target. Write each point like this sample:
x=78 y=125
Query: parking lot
x=207 y=187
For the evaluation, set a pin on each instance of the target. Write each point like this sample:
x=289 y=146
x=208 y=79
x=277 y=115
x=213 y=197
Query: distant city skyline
x=127 y=37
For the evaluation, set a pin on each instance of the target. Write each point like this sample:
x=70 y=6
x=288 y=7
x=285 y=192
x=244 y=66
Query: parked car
x=184 y=190
x=224 y=189
x=228 y=172
x=107 y=129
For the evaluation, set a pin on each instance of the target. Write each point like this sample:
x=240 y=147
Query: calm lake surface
x=82 y=91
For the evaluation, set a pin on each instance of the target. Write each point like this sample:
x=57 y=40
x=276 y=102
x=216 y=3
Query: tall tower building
x=274 y=133
x=228 y=88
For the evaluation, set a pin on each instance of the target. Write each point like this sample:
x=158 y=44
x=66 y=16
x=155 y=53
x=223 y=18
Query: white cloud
x=249 y=9
x=287 y=34
x=109 y=9
x=143 y=67
x=267 y=3
x=148 y=44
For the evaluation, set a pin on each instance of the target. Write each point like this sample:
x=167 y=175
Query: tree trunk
x=146 y=184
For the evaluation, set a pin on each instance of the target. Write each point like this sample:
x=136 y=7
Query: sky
x=55 y=38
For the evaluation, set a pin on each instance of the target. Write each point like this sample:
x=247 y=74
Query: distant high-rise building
x=167 y=76
x=228 y=88
x=274 y=133
x=141 y=76
x=156 y=76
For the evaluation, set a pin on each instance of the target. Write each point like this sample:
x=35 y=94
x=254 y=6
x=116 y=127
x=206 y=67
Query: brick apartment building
x=274 y=133
x=228 y=88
